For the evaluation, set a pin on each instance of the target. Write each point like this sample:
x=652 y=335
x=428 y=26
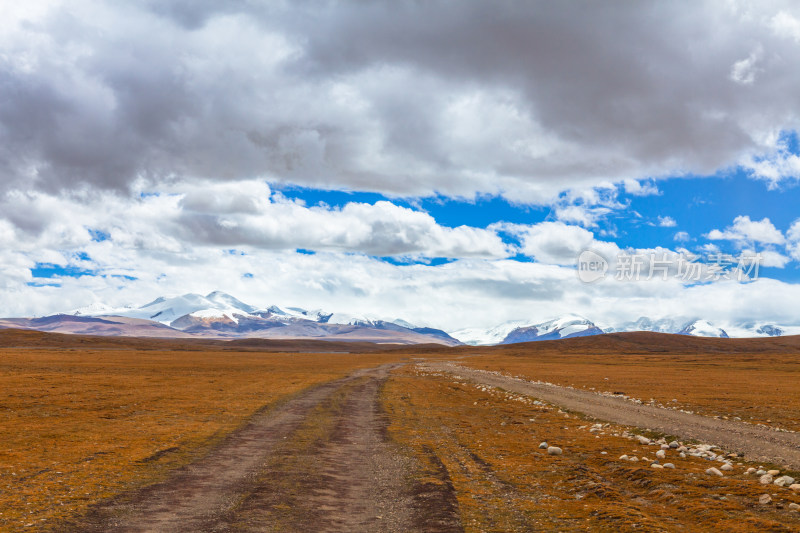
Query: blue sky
x=370 y=159
x=696 y=205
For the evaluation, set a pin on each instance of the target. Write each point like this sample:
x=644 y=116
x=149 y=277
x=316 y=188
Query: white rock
x=634 y=459
x=795 y=487
x=773 y=472
x=669 y=465
x=764 y=499
x=661 y=454
x=714 y=471
x=726 y=467
x=683 y=454
x=665 y=446
x=543 y=446
x=760 y=472
x=554 y=450
x=643 y=440
x=623 y=457
x=794 y=507
x=780 y=482
x=766 y=479
x=789 y=481
x=656 y=465
x=750 y=470
x=674 y=445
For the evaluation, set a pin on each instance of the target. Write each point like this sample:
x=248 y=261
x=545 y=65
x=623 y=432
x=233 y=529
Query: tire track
x=360 y=481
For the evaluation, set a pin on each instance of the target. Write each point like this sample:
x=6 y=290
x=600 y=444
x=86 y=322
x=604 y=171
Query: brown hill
x=610 y=344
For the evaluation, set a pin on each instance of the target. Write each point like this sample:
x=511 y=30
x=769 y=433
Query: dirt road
x=321 y=461
x=757 y=443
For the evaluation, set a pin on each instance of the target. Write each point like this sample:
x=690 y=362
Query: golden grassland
x=81 y=425
x=83 y=419
x=489 y=443
x=756 y=387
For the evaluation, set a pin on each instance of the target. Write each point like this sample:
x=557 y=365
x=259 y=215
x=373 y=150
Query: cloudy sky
x=443 y=162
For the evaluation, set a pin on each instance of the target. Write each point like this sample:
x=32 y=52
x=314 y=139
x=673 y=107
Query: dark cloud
x=523 y=98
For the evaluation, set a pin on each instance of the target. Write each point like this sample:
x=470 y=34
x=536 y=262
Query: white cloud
x=557 y=243
x=744 y=71
x=365 y=97
x=641 y=188
x=744 y=229
x=239 y=214
x=584 y=215
x=770 y=258
x=793 y=238
x=785 y=24
x=188 y=101
x=774 y=165
x=498 y=290
x=667 y=222
x=681 y=236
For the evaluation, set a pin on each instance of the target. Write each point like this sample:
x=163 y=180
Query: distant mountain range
x=577 y=326
x=220 y=315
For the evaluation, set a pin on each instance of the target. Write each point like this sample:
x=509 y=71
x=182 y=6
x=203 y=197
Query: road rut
x=351 y=478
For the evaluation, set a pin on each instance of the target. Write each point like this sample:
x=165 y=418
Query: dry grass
x=489 y=443
x=80 y=423
x=78 y=426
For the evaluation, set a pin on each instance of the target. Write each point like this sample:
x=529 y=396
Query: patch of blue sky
x=698 y=205
x=49 y=270
x=405 y=261
x=449 y=212
x=98 y=235
x=124 y=276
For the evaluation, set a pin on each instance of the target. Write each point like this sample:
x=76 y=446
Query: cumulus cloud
x=667 y=222
x=227 y=215
x=744 y=71
x=557 y=243
x=744 y=229
x=640 y=188
x=525 y=100
x=793 y=240
x=771 y=258
x=785 y=24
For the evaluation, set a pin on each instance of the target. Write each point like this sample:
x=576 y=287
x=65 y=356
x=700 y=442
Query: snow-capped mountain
x=661 y=325
x=524 y=331
x=487 y=337
x=219 y=314
x=578 y=326
x=560 y=328
x=703 y=328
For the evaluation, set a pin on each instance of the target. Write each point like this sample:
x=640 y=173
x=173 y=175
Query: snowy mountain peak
x=702 y=328
x=570 y=325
